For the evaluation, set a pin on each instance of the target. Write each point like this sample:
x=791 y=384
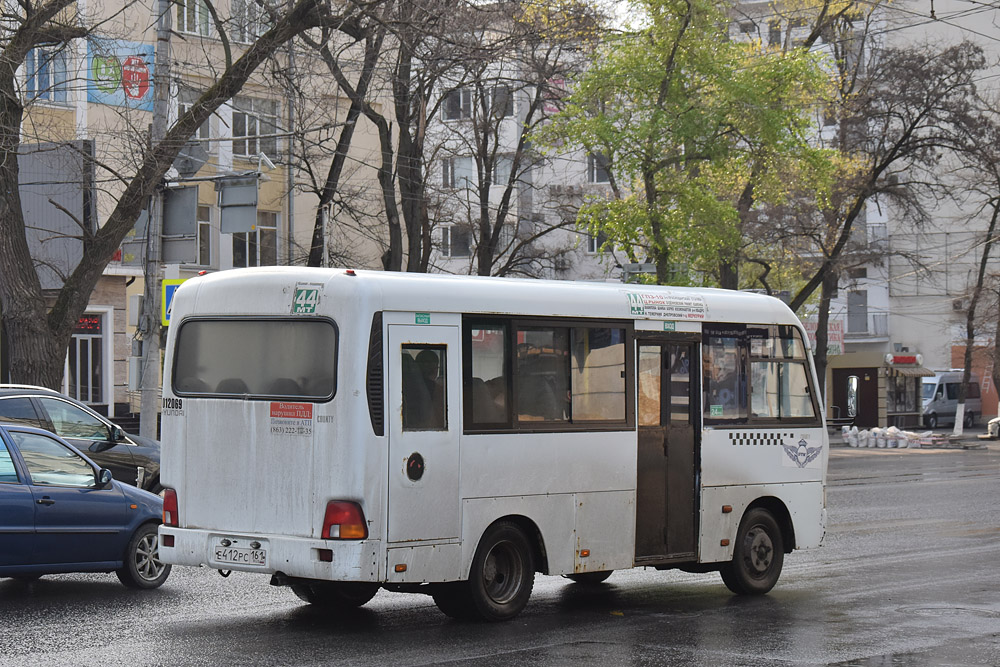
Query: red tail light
x=344 y=520
x=170 y=508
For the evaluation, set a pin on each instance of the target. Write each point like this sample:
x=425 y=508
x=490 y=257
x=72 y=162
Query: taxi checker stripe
x=753 y=439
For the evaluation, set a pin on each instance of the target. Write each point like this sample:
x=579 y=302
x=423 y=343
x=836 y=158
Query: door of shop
x=867 y=395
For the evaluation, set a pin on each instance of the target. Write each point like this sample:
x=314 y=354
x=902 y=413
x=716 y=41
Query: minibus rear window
x=256 y=358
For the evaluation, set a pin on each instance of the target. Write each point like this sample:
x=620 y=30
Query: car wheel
x=969 y=420
x=932 y=421
x=757 y=557
x=590 y=578
x=335 y=594
x=143 y=567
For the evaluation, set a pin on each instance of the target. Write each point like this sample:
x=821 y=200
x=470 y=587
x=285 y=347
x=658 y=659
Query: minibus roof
x=245 y=291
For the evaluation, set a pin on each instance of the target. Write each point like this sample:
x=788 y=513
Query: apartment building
x=232 y=198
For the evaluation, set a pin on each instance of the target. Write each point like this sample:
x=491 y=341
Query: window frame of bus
x=251 y=396
x=744 y=333
x=510 y=326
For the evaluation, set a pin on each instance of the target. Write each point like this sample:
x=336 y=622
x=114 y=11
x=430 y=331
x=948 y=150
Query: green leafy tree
x=694 y=129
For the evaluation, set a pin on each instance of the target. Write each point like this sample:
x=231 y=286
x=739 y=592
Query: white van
x=940 y=398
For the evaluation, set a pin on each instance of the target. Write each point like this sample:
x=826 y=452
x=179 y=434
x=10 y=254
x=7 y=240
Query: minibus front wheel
x=758 y=555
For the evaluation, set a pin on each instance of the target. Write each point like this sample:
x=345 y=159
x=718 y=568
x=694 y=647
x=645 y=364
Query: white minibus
x=344 y=431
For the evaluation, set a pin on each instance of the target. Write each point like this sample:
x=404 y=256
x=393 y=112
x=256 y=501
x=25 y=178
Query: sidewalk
x=943 y=440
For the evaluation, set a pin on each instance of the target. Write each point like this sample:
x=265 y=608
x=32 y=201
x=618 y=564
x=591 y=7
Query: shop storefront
x=903 y=377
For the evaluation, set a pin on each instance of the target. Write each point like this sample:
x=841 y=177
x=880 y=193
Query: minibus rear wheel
x=502 y=574
x=335 y=594
x=758 y=555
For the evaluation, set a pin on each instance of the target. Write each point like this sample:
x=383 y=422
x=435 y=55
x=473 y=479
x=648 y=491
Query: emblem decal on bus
x=802 y=454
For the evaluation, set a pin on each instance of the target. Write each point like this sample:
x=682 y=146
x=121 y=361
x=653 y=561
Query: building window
x=597 y=168
x=456 y=172
x=774 y=33
x=503 y=168
x=255 y=125
x=46 y=69
x=857 y=312
x=596 y=243
x=258 y=247
x=456 y=241
x=193 y=17
x=187 y=98
x=250 y=20
x=501 y=101
x=457 y=104
x=205 y=235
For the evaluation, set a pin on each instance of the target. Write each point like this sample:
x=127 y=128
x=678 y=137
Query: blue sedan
x=59 y=512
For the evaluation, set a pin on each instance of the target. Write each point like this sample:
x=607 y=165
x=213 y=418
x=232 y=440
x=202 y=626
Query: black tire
x=500 y=580
x=589 y=578
x=932 y=421
x=335 y=594
x=502 y=574
x=142 y=565
x=757 y=557
x=453 y=600
x=969 y=420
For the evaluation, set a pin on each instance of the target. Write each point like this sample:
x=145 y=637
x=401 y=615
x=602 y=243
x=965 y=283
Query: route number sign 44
x=305 y=301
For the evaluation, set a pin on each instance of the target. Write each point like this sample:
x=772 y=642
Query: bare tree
x=495 y=101
x=896 y=116
x=38 y=327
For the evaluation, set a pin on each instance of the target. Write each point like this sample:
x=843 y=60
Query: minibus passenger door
x=667 y=441
x=424 y=380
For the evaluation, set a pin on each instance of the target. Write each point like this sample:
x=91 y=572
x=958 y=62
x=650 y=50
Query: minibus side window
x=542 y=363
x=425 y=393
x=724 y=378
x=598 y=374
x=779 y=376
x=488 y=385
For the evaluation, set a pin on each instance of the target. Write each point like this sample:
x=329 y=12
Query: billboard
x=120 y=73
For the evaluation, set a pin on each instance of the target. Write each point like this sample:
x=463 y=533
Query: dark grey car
x=130 y=458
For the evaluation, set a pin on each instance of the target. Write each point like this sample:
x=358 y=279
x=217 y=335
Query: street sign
x=168 y=287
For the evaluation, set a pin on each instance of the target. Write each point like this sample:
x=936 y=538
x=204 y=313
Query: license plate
x=241 y=556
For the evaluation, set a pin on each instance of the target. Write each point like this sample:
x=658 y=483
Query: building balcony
x=867 y=326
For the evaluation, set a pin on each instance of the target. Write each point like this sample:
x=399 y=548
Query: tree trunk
x=828 y=289
x=970 y=321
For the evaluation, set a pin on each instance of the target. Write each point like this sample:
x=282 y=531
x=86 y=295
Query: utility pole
x=150 y=386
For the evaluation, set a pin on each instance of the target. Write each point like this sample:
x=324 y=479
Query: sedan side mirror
x=104 y=478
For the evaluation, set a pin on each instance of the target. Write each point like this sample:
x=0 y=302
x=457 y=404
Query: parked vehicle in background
x=60 y=512
x=940 y=398
x=130 y=458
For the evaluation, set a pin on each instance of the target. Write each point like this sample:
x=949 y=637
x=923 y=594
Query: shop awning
x=913 y=371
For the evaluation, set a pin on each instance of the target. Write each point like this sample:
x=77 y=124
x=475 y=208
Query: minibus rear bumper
x=307 y=558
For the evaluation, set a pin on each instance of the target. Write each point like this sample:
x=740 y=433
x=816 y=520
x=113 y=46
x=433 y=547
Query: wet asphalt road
x=909 y=575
